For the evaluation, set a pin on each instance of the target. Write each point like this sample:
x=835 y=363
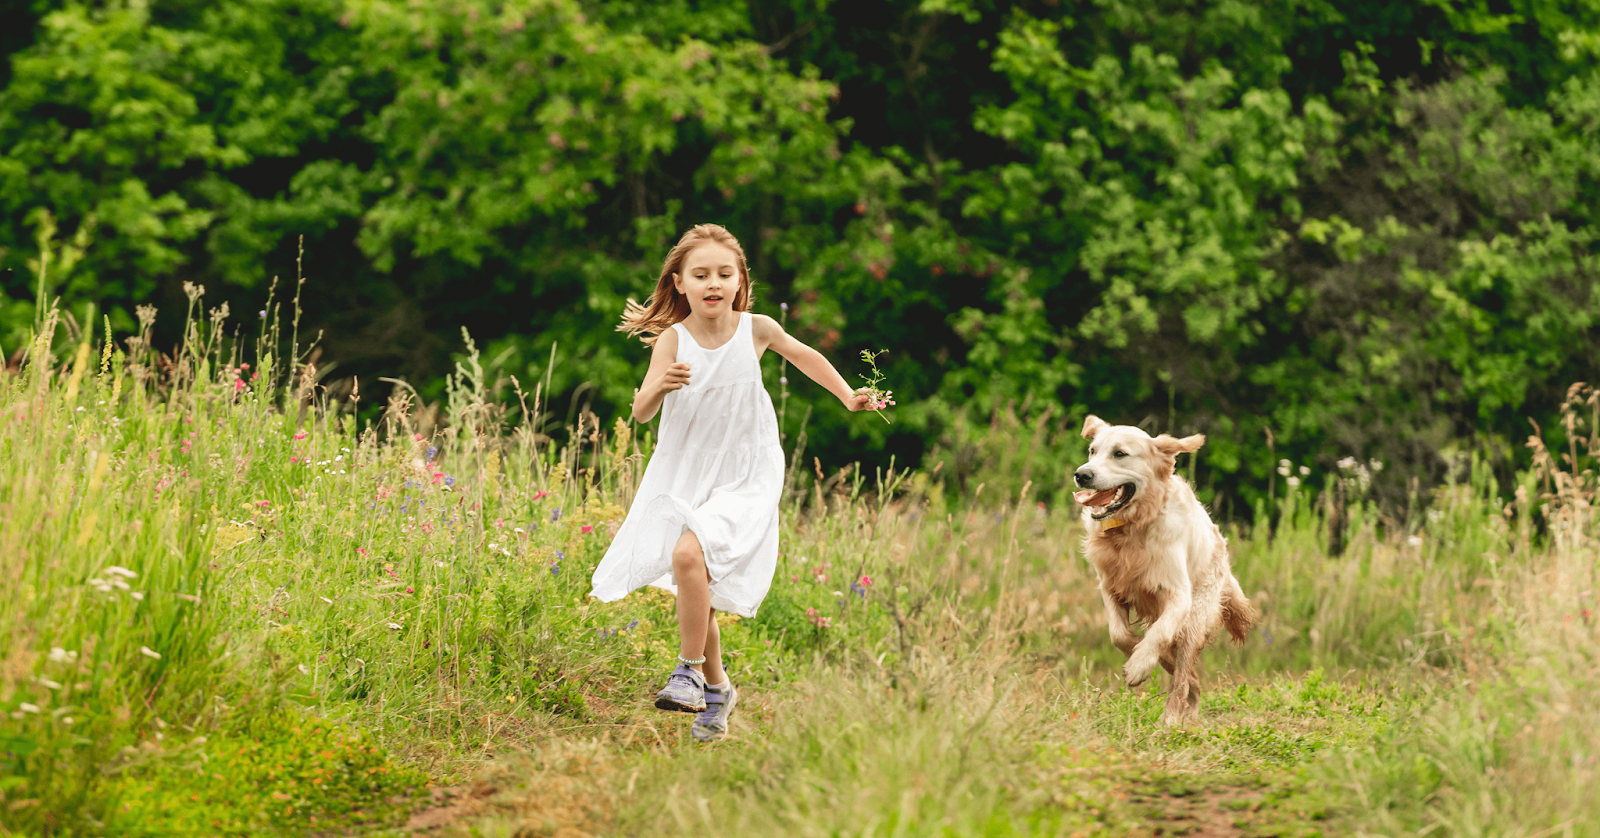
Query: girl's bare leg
x=695 y=626
x=713 y=666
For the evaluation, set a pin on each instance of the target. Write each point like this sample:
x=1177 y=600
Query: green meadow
x=231 y=608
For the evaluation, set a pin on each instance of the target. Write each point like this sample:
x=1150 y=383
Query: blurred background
x=1349 y=235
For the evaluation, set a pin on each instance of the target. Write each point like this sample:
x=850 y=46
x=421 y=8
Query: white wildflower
x=28 y=708
x=1283 y=471
x=60 y=655
x=1304 y=470
x=149 y=653
x=1414 y=541
x=49 y=684
x=303 y=670
x=1347 y=463
x=395 y=626
x=67 y=720
x=1294 y=482
x=119 y=570
x=1283 y=464
x=137 y=595
x=325 y=599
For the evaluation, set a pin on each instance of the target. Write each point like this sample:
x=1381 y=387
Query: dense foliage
x=1367 y=228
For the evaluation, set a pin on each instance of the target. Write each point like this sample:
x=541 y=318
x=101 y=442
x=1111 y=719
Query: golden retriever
x=1157 y=555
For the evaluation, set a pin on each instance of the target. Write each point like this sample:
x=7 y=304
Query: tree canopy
x=1367 y=227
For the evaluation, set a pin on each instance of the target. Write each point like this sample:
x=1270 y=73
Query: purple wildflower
x=449 y=481
x=433 y=450
x=555 y=514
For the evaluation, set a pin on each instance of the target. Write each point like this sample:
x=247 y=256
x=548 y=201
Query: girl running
x=706 y=513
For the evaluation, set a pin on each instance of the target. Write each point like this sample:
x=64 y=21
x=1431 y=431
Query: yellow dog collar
x=1112 y=523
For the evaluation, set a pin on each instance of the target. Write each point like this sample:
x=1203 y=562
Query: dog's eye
x=1119 y=454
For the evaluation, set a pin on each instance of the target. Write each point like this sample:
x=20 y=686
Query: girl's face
x=709 y=279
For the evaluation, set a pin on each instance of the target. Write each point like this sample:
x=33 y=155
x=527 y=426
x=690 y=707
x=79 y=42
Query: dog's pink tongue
x=1089 y=497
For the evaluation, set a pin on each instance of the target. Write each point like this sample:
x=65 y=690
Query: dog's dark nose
x=1083 y=476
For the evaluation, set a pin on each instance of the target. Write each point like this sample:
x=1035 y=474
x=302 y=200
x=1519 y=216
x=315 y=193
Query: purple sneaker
x=685 y=691
x=712 y=723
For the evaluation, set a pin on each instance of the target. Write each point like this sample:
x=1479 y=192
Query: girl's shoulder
x=667 y=342
x=763 y=326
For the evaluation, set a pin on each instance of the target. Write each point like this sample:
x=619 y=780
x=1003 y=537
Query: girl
x=706 y=513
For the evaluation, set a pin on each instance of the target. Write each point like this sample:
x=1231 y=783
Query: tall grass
x=221 y=594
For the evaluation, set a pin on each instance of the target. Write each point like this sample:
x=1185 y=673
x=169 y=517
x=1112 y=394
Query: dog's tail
x=1237 y=613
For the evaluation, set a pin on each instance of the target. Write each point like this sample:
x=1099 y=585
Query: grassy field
x=228 y=610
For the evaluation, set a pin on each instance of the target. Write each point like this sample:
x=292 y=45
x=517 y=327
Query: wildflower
x=635 y=624
x=500 y=523
x=361 y=551
x=118 y=570
x=586 y=529
x=408 y=590
x=783 y=306
x=519 y=530
x=555 y=568
x=1283 y=470
x=560 y=555
x=49 y=684
x=1304 y=470
x=303 y=670
x=449 y=481
x=149 y=653
x=866 y=581
x=1294 y=482
x=238 y=384
x=28 y=708
x=300 y=435
x=325 y=599
x=60 y=655
x=783 y=379
x=555 y=514
x=432 y=450
x=262 y=314
x=539 y=494
x=416 y=437
x=395 y=626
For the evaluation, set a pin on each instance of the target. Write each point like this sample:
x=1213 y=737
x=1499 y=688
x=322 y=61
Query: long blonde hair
x=666 y=306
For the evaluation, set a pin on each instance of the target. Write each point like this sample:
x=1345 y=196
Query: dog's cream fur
x=1166 y=562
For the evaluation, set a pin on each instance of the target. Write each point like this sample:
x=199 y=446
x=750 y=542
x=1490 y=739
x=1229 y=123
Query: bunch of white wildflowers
x=877 y=397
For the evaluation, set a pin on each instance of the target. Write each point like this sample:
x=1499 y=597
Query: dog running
x=1159 y=558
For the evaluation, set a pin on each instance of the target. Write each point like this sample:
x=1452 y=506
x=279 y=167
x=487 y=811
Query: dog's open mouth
x=1105 y=501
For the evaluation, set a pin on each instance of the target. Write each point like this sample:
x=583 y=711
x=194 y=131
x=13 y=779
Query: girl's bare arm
x=770 y=335
x=664 y=376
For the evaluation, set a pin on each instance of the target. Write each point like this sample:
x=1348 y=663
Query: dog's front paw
x=1138 y=668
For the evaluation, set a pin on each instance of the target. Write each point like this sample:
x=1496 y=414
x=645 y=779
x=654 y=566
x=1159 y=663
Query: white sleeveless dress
x=717 y=470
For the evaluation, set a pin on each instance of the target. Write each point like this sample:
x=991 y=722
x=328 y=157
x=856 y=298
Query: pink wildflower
x=866 y=581
x=361 y=551
x=300 y=435
x=586 y=529
x=238 y=384
x=437 y=476
x=539 y=494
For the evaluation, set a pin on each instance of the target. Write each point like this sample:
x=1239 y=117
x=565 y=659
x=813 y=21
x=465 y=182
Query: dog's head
x=1127 y=470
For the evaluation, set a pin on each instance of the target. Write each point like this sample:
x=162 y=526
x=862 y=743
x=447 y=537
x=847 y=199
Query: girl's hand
x=858 y=400
x=675 y=378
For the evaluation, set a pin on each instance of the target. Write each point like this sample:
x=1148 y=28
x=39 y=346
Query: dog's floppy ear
x=1092 y=425
x=1174 y=446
